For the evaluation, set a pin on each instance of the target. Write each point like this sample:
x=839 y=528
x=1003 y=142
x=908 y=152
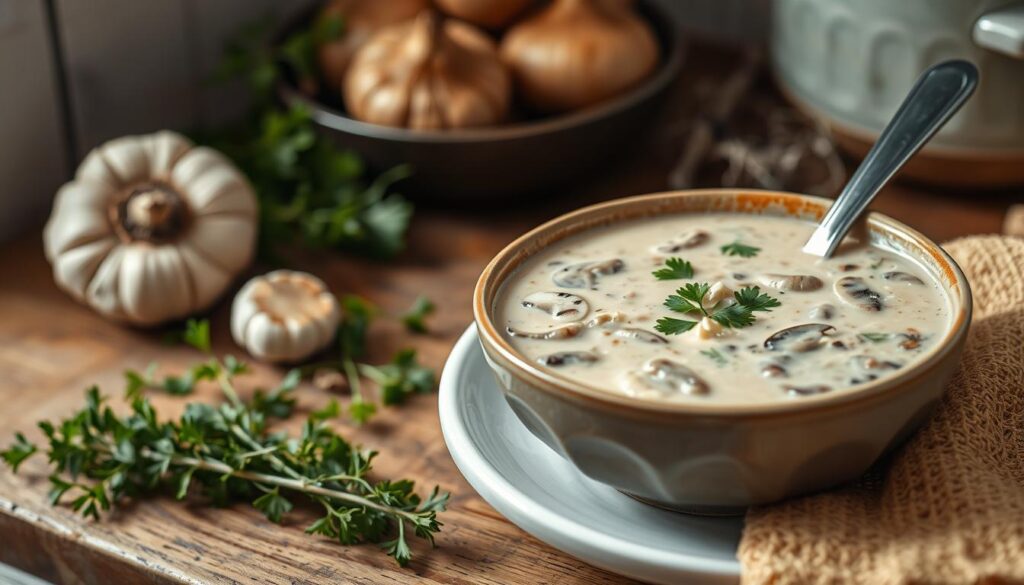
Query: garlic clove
x=208 y=287
x=153 y=285
x=491 y=14
x=165 y=148
x=74 y=268
x=284 y=316
x=226 y=238
x=103 y=290
x=96 y=170
x=79 y=217
x=716 y=294
x=128 y=159
x=211 y=187
x=707 y=328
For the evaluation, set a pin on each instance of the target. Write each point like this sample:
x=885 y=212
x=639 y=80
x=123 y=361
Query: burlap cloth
x=948 y=507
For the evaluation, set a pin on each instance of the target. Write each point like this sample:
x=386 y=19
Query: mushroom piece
x=562 y=306
x=867 y=363
x=684 y=242
x=567 y=358
x=663 y=376
x=568 y=330
x=847 y=267
x=775 y=368
x=800 y=338
x=899 y=276
x=823 y=312
x=911 y=339
x=791 y=282
x=640 y=335
x=854 y=291
x=586 y=274
x=807 y=390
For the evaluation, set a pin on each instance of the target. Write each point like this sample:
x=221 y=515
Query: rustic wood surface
x=51 y=349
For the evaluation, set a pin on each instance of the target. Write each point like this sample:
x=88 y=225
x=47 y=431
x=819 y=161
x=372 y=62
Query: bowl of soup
x=682 y=348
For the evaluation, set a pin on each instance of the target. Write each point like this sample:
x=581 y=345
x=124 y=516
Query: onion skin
x=492 y=14
x=428 y=74
x=360 y=20
x=577 y=53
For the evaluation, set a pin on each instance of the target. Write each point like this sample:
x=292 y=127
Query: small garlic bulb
x=576 y=53
x=284 y=316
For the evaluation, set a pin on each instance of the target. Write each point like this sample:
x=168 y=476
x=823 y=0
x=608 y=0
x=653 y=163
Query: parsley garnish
x=738 y=249
x=227 y=452
x=874 y=337
x=690 y=299
x=675 y=268
x=413 y=319
x=715 y=356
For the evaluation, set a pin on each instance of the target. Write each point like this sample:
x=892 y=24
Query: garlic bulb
x=284 y=316
x=151 y=228
x=359 y=19
x=428 y=74
x=486 y=13
x=576 y=53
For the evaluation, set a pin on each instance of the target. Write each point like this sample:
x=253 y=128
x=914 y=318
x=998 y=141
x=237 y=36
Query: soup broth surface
x=588 y=308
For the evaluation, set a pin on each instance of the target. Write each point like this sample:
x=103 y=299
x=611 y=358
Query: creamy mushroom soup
x=666 y=309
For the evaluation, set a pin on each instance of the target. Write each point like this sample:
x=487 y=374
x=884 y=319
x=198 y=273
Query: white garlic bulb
x=284 y=316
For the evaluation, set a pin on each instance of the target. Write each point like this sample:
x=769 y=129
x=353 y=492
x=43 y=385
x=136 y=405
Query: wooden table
x=52 y=348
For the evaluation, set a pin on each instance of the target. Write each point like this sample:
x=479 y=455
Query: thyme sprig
x=227 y=453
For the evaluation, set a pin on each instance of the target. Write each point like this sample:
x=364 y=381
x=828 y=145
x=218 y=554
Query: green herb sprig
x=738 y=249
x=690 y=299
x=226 y=452
x=415 y=318
x=675 y=269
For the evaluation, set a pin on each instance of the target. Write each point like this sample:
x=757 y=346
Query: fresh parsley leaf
x=688 y=298
x=675 y=268
x=874 y=337
x=738 y=249
x=413 y=319
x=741 y=314
x=401 y=378
x=715 y=356
x=197 y=334
x=752 y=298
x=361 y=411
x=332 y=410
x=18 y=452
x=673 y=326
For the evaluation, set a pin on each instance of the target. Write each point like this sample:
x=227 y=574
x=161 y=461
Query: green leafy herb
x=101 y=459
x=401 y=378
x=413 y=319
x=874 y=337
x=675 y=268
x=738 y=249
x=197 y=334
x=715 y=355
x=309 y=190
x=690 y=299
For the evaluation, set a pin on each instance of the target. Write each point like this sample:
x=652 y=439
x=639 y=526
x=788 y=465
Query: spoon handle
x=936 y=96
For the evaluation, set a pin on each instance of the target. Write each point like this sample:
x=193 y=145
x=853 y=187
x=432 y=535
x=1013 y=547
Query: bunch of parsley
x=310 y=191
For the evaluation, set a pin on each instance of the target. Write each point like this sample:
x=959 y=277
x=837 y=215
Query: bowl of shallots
x=486 y=99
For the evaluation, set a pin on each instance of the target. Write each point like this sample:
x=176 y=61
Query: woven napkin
x=948 y=507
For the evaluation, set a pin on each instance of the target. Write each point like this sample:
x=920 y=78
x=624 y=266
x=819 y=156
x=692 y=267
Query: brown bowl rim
x=509 y=258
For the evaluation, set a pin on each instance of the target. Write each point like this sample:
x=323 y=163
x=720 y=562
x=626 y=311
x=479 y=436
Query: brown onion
x=492 y=14
x=576 y=53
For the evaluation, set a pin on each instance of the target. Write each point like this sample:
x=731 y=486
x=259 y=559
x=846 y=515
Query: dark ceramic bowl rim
x=671 y=62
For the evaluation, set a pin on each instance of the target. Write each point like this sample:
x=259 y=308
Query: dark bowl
x=521 y=158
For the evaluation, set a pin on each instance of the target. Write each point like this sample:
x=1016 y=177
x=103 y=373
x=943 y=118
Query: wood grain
x=51 y=349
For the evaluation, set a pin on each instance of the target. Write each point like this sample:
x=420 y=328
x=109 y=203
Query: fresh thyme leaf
x=273 y=505
x=738 y=249
x=715 y=356
x=675 y=268
x=413 y=319
x=18 y=452
x=874 y=337
x=101 y=459
x=673 y=326
x=688 y=298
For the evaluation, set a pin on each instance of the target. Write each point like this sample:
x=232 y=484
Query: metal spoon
x=933 y=100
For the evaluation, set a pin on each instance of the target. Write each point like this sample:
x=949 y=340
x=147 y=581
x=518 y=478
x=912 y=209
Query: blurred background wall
x=74 y=73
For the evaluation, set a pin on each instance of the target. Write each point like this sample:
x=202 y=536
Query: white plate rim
x=596 y=548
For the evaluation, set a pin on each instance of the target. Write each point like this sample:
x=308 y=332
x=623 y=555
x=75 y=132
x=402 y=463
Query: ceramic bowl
x=526 y=157
x=706 y=457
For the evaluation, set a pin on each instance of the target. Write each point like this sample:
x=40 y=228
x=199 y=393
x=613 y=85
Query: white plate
x=546 y=496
